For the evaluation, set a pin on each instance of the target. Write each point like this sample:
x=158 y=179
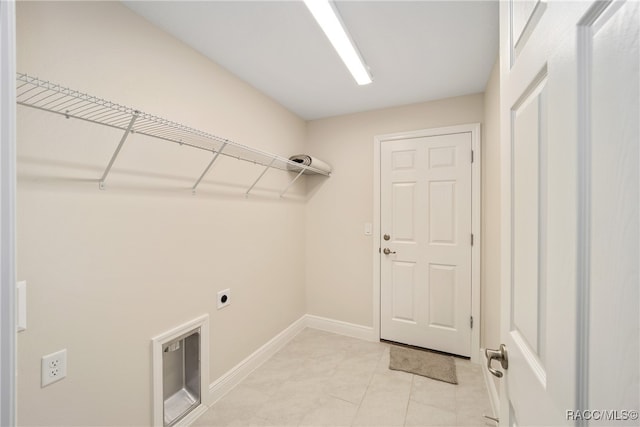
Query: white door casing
x=549 y=118
x=425 y=206
x=7 y=214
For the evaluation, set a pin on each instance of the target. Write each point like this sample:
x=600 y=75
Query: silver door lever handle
x=499 y=355
x=387 y=251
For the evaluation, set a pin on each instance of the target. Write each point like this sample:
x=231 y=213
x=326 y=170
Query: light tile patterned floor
x=323 y=379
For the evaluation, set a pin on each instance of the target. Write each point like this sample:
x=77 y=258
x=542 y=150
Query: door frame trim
x=8 y=345
x=474 y=129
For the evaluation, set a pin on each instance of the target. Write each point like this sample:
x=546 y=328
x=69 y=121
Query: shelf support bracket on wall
x=292 y=182
x=118 y=148
x=215 y=157
x=43 y=95
x=246 y=194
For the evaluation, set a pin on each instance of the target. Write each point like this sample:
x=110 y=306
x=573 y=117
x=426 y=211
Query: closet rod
x=43 y=95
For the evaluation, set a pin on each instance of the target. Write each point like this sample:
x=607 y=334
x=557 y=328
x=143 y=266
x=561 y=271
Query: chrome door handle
x=499 y=355
x=387 y=251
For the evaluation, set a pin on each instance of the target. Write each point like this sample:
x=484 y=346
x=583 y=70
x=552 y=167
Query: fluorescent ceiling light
x=327 y=18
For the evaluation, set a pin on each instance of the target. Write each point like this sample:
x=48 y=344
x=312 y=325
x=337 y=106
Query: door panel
x=442 y=157
x=528 y=174
x=442 y=295
x=442 y=212
x=403 y=285
x=525 y=16
x=404 y=160
x=404 y=211
x=521 y=12
x=426 y=210
x=569 y=108
x=614 y=226
x=539 y=141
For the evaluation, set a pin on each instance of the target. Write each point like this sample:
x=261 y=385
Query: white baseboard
x=192 y=416
x=494 y=396
x=235 y=375
x=341 y=328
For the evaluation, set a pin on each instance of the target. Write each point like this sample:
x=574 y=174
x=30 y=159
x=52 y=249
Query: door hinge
x=471 y=156
x=379 y=250
x=471 y=239
x=471 y=322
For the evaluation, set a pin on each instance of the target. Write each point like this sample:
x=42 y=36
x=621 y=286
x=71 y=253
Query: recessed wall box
x=181 y=377
x=181 y=373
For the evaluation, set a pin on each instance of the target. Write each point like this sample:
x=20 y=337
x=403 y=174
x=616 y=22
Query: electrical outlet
x=54 y=367
x=224 y=298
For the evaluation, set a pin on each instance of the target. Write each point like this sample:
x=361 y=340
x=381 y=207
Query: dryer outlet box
x=224 y=298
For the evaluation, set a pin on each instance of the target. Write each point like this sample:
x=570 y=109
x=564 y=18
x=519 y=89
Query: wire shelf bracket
x=246 y=194
x=215 y=157
x=101 y=184
x=46 y=96
x=291 y=183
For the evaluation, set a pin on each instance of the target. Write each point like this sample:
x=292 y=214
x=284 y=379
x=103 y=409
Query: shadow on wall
x=75 y=155
x=76 y=175
x=313 y=183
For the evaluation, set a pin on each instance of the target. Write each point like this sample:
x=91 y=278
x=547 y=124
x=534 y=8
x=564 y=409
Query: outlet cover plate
x=54 y=367
x=221 y=296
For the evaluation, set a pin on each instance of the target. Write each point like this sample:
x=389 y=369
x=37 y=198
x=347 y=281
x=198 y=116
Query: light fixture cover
x=329 y=20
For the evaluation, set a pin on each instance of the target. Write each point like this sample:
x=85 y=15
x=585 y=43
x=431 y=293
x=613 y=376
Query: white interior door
x=426 y=228
x=569 y=85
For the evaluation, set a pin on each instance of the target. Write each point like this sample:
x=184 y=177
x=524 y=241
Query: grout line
x=406 y=410
x=375 y=370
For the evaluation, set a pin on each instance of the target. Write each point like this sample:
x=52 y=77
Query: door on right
x=569 y=200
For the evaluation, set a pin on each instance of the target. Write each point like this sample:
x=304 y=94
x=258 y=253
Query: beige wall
x=490 y=271
x=108 y=270
x=339 y=255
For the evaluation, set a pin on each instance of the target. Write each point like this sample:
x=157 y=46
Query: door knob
x=387 y=251
x=499 y=355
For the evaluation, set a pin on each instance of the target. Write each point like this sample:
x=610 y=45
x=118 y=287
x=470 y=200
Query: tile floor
x=323 y=379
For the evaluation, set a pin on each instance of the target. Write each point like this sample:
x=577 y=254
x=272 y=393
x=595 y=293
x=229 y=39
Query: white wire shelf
x=43 y=95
